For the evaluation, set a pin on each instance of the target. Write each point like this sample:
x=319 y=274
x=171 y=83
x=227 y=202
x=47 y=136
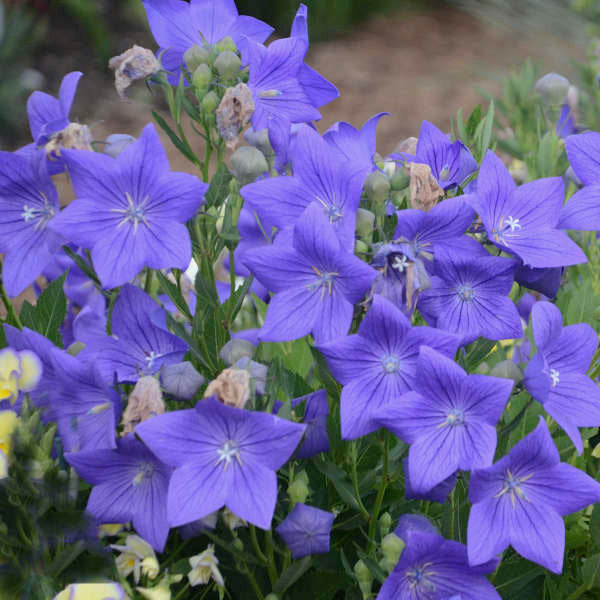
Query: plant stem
x=184 y=589
x=271 y=566
x=361 y=506
x=380 y=494
x=515 y=422
x=10 y=309
x=256 y=545
x=254 y=584
x=148 y=281
x=580 y=590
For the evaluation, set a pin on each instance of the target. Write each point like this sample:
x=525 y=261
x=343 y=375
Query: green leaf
x=591 y=571
x=174 y=293
x=206 y=292
x=473 y=121
x=83 y=265
x=486 y=134
x=332 y=387
x=595 y=526
x=179 y=144
x=340 y=481
x=582 y=305
x=292 y=574
x=66 y=557
x=219 y=186
x=233 y=304
x=476 y=353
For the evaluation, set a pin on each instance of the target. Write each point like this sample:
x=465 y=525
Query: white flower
x=137 y=557
x=204 y=566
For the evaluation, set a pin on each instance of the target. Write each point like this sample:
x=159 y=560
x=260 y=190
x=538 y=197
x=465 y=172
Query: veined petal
x=583 y=151
x=582 y=210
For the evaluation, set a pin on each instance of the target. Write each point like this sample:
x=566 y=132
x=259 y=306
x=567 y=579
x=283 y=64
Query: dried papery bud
x=73 y=136
x=195 y=56
x=409 y=145
x=228 y=65
x=135 y=63
x=553 y=89
x=234 y=113
x=181 y=380
x=116 y=143
x=231 y=387
x=248 y=163
x=424 y=189
x=144 y=402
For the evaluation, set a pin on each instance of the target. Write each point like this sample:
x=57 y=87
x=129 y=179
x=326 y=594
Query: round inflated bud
x=385 y=523
x=392 y=547
x=181 y=380
x=365 y=221
x=116 y=143
x=377 y=187
x=202 y=77
x=298 y=491
x=507 y=369
x=248 y=163
x=235 y=349
x=210 y=102
x=228 y=65
x=238 y=544
x=302 y=476
x=259 y=139
x=360 y=247
x=196 y=56
x=362 y=572
x=226 y=44
x=553 y=89
x=400 y=180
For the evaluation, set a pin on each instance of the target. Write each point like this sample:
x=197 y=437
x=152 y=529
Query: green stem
x=361 y=506
x=254 y=584
x=579 y=591
x=148 y=282
x=515 y=422
x=256 y=545
x=271 y=566
x=380 y=494
x=181 y=592
x=10 y=309
x=174 y=554
x=231 y=272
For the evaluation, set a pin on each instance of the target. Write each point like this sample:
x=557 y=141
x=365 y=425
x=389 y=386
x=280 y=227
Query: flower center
x=506 y=226
x=445 y=172
x=227 y=452
x=512 y=485
x=455 y=417
x=390 y=363
x=134 y=213
x=43 y=214
x=324 y=281
x=150 y=358
x=554 y=377
x=145 y=471
x=420 y=578
x=270 y=93
x=465 y=293
x=400 y=263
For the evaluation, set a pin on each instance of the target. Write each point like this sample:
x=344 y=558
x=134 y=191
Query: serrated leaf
x=83 y=265
x=292 y=574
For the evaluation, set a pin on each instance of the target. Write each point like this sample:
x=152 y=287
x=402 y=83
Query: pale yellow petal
x=9 y=363
x=31 y=370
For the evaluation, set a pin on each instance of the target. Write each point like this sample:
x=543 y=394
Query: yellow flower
x=91 y=591
x=19 y=371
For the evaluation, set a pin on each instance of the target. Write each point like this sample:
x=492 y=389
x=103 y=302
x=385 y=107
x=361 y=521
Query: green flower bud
x=238 y=544
x=235 y=349
x=360 y=247
x=202 y=77
x=392 y=547
x=553 y=89
x=362 y=572
x=507 y=370
x=196 y=56
x=228 y=65
x=400 y=180
x=298 y=491
x=482 y=368
x=210 y=102
x=226 y=44
x=247 y=163
x=365 y=220
x=387 y=565
x=385 y=523
x=377 y=187
x=302 y=476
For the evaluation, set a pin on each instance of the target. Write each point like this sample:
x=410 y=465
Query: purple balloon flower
x=556 y=376
x=379 y=364
x=316 y=282
x=439 y=493
x=409 y=522
x=28 y=205
x=140 y=347
x=524 y=220
x=434 y=568
x=130 y=210
x=130 y=484
x=449 y=420
x=306 y=530
x=521 y=499
x=224 y=456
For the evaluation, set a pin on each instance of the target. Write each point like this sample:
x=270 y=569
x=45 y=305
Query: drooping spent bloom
x=469 y=297
x=223 y=456
x=316 y=411
x=92 y=591
x=321 y=176
x=204 y=567
x=521 y=499
x=130 y=484
x=450 y=162
x=379 y=364
x=140 y=348
x=449 y=419
x=133 y=64
x=556 y=376
x=316 y=282
x=177 y=26
x=28 y=209
x=84 y=407
x=306 y=530
x=524 y=220
x=433 y=568
x=130 y=210
x=582 y=210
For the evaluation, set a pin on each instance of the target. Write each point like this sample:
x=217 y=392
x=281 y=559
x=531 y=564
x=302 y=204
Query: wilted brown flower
x=74 y=135
x=424 y=189
x=135 y=63
x=234 y=112
x=232 y=387
x=144 y=402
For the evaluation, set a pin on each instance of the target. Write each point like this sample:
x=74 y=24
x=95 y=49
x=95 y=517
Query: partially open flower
x=204 y=566
x=144 y=402
x=135 y=63
x=137 y=557
x=232 y=387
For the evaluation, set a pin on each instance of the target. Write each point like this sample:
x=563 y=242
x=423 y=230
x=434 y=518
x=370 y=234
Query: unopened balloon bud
x=385 y=523
x=248 y=163
x=235 y=349
x=364 y=578
x=365 y=221
x=360 y=247
x=387 y=565
x=116 y=143
x=228 y=65
x=377 y=187
x=196 y=56
x=226 y=45
x=260 y=139
x=553 y=89
x=238 y=544
x=210 y=102
x=507 y=369
x=392 y=547
x=202 y=77
x=482 y=368
x=181 y=380
x=408 y=146
x=298 y=491
x=302 y=476
x=400 y=180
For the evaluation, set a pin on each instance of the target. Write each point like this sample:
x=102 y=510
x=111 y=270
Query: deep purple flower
x=224 y=456
x=449 y=420
x=130 y=210
x=379 y=364
x=177 y=26
x=28 y=205
x=316 y=411
x=524 y=220
x=409 y=522
x=140 y=347
x=521 y=499
x=130 y=484
x=439 y=493
x=582 y=210
x=433 y=568
x=85 y=408
x=316 y=282
x=556 y=376
x=545 y=281
x=306 y=530
x=321 y=176
x=468 y=297
x=450 y=162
